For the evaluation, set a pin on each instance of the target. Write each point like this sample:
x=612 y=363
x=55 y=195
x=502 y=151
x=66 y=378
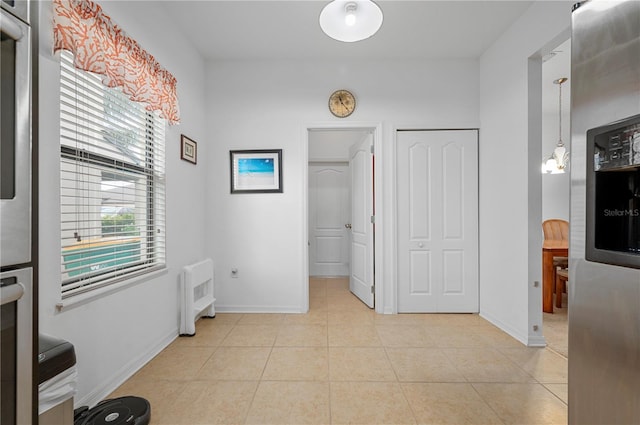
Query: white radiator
x=197 y=295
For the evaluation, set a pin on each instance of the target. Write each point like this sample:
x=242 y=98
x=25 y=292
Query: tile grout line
x=553 y=393
x=451 y=362
x=398 y=382
x=487 y=403
x=260 y=378
x=556 y=352
x=326 y=312
x=413 y=412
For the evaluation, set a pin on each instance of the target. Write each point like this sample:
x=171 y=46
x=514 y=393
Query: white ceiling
x=418 y=29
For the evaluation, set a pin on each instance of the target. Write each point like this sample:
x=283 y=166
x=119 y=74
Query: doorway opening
x=556 y=187
x=340 y=207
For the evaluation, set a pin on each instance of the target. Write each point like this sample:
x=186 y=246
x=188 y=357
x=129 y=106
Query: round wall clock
x=342 y=103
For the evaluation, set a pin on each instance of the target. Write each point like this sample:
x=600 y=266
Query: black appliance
x=54 y=356
x=613 y=193
x=128 y=410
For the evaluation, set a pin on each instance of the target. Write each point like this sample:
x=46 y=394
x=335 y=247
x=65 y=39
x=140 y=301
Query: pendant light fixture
x=559 y=159
x=350 y=20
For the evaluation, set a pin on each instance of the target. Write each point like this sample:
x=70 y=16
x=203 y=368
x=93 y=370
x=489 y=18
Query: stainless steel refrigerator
x=18 y=395
x=604 y=289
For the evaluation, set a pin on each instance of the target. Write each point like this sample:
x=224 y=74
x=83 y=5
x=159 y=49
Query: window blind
x=112 y=183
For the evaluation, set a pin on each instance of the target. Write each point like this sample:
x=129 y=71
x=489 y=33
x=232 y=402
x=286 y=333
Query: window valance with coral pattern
x=100 y=46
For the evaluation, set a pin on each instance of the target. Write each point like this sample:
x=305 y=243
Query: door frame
x=376 y=129
x=396 y=205
x=394 y=219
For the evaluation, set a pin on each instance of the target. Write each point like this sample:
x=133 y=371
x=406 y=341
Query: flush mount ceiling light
x=350 y=20
x=559 y=159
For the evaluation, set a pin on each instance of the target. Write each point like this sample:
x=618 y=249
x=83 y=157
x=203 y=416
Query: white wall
x=116 y=334
x=555 y=187
x=270 y=104
x=333 y=145
x=510 y=183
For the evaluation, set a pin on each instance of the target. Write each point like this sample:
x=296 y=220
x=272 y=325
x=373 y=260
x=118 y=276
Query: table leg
x=559 y=286
x=547 y=281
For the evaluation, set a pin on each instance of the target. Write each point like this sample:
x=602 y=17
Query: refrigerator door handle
x=11 y=29
x=11 y=293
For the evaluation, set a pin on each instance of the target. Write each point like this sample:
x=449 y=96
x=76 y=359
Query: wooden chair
x=562 y=276
x=557 y=229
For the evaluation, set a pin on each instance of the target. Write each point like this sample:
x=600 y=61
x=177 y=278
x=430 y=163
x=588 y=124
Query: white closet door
x=437 y=221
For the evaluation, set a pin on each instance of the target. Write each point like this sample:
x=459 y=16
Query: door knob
x=420 y=245
x=348 y=225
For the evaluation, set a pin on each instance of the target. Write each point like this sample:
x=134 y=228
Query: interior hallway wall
x=115 y=335
x=270 y=104
x=510 y=239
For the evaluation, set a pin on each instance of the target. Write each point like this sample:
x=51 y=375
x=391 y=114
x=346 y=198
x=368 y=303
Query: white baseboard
x=257 y=309
x=528 y=340
x=505 y=327
x=537 y=341
x=107 y=387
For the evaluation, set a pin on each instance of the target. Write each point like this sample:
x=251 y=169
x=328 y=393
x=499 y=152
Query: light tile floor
x=556 y=328
x=343 y=364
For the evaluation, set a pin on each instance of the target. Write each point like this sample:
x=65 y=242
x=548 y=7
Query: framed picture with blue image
x=256 y=171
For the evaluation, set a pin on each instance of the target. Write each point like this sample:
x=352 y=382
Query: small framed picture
x=188 y=149
x=256 y=171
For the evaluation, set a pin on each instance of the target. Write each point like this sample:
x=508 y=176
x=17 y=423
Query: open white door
x=361 y=281
x=437 y=221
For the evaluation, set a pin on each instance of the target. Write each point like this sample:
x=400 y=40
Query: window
x=112 y=183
